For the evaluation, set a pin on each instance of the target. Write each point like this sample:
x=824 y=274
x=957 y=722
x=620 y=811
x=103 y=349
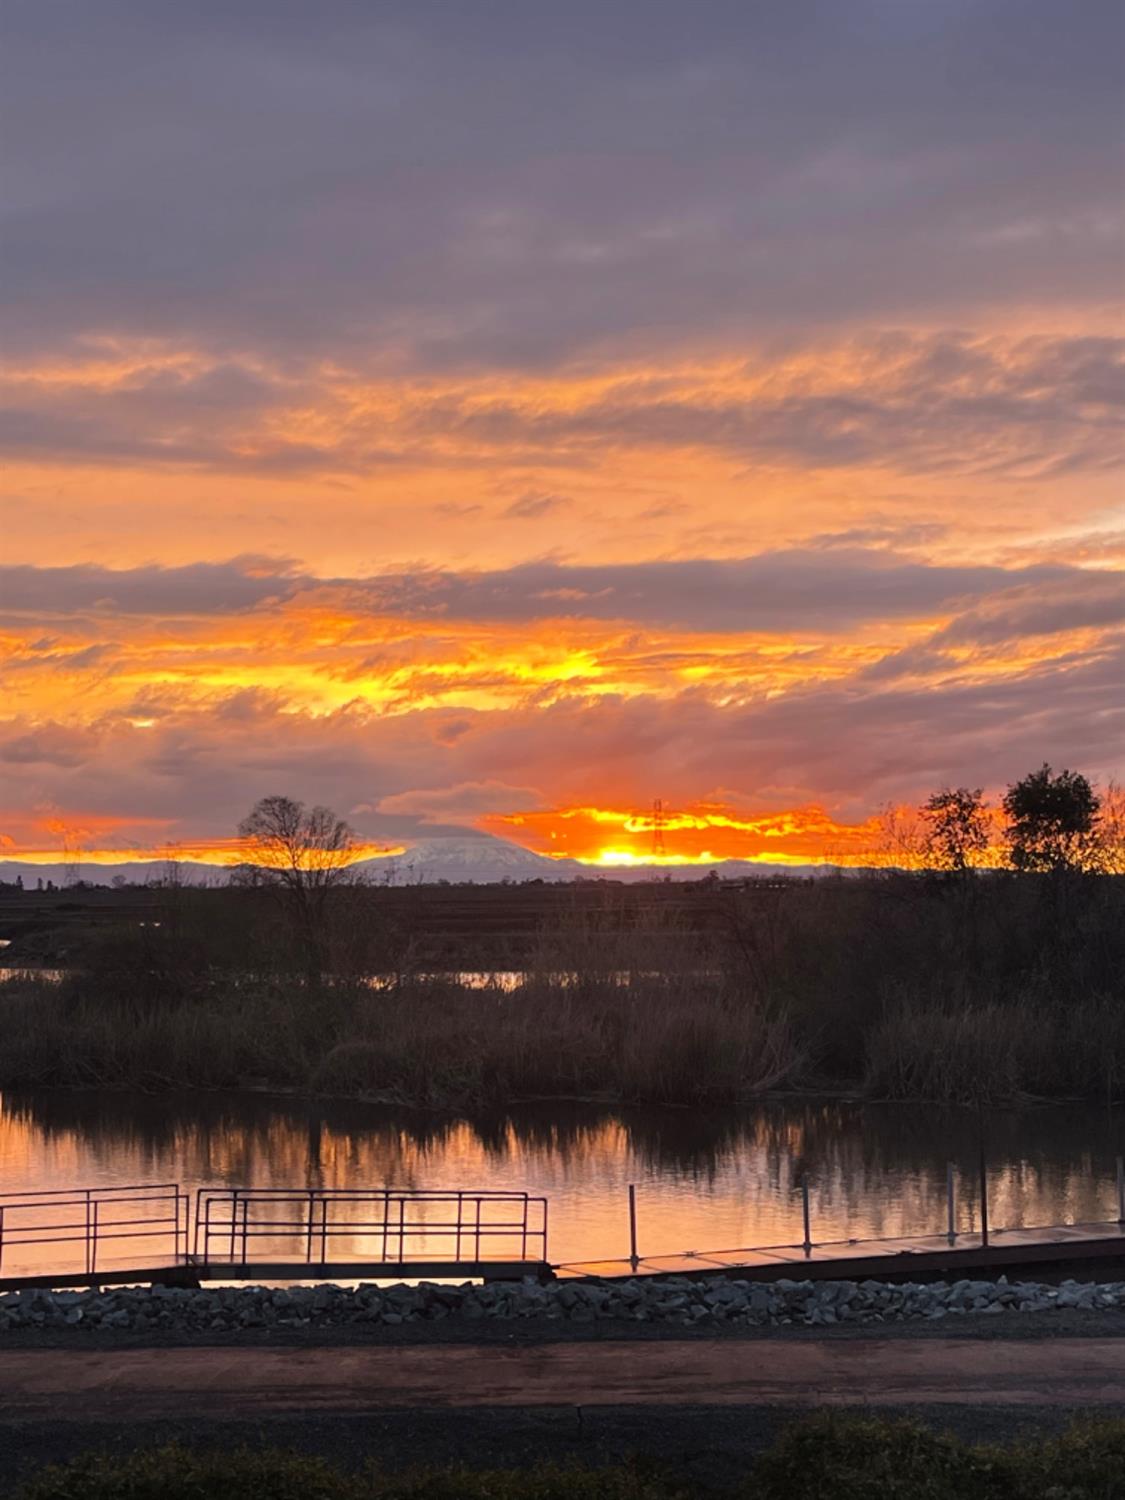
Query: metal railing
x=385 y=1225
x=953 y=1236
x=390 y=1227
x=94 y=1217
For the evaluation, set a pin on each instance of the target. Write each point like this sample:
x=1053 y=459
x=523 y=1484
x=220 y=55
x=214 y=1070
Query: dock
x=159 y=1233
x=939 y=1256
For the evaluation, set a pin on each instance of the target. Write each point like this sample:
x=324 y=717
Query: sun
x=628 y=858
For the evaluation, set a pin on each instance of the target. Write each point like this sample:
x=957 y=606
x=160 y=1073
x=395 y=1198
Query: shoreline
x=835 y=1094
x=527 y=1310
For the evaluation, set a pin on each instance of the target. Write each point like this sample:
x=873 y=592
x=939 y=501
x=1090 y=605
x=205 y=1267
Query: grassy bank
x=415 y=1043
x=904 y=989
x=847 y=1459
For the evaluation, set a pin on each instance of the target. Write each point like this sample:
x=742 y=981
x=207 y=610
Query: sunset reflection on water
x=704 y=1181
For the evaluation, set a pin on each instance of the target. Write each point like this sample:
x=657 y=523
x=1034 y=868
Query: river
x=704 y=1181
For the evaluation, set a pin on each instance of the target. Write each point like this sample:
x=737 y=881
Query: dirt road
x=204 y=1383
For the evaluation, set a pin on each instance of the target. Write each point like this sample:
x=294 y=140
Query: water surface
x=704 y=1181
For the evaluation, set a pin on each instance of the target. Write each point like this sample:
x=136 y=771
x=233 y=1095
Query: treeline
x=1045 y=824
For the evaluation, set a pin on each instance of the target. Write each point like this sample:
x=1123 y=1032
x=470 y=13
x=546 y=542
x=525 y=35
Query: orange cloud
x=159 y=704
x=989 y=441
x=695 y=835
x=224 y=854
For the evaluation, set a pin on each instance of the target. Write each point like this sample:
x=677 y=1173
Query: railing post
x=1121 y=1189
x=94 y=1242
x=983 y=1196
x=1 y=1234
x=950 y=1204
x=634 y=1258
x=805 y=1211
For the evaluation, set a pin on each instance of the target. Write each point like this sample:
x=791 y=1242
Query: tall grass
x=993 y=1053
x=653 y=1041
x=904 y=989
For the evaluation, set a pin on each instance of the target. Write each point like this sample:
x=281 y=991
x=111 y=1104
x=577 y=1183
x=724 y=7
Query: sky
x=492 y=417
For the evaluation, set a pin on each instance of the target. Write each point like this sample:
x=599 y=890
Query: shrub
x=544 y=1482
x=874 y=1459
x=1086 y=1463
x=827 y=1457
x=179 y=1473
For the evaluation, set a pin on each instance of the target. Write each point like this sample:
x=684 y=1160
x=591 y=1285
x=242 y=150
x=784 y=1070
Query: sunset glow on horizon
x=490 y=422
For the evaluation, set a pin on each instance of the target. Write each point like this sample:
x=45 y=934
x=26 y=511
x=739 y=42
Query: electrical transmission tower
x=72 y=860
x=659 y=850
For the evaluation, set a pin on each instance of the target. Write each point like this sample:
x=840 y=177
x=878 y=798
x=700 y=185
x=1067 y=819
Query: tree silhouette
x=1052 y=822
x=957 y=828
x=1111 y=830
x=304 y=854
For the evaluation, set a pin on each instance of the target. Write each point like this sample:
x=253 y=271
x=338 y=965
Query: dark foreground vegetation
x=985 y=986
x=847 y=1459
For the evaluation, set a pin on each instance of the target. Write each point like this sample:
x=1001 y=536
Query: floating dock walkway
x=160 y=1233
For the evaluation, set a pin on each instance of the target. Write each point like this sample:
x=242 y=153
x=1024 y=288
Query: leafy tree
x=956 y=828
x=1052 y=821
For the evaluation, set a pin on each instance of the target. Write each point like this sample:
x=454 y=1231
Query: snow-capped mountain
x=482 y=860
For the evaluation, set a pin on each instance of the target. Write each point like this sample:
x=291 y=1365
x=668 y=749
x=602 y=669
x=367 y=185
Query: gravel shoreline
x=674 y=1304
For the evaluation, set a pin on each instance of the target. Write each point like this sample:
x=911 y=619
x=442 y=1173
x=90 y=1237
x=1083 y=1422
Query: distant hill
x=138 y=872
x=474 y=859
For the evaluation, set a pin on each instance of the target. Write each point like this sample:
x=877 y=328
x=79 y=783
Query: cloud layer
x=500 y=415
x=808 y=687
x=512 y=185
